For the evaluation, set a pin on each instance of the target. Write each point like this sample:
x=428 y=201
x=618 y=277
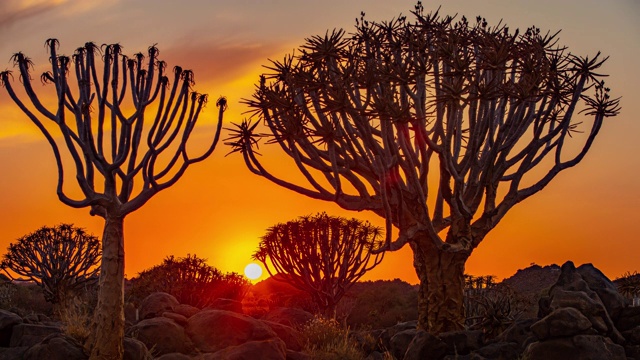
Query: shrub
x=190 y=279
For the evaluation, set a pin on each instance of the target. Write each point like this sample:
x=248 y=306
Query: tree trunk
x=441 y=291
x=107 y=339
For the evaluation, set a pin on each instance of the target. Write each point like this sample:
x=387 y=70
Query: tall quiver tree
x=439 y=126
x=121 y=157
x=322 y=255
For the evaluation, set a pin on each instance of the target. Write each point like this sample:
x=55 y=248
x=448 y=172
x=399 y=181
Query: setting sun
x=253 y=271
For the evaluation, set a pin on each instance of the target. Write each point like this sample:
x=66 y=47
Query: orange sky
x=218 y=210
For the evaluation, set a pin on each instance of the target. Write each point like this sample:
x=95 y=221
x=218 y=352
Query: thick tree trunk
x=107 y=340
x=441 y=291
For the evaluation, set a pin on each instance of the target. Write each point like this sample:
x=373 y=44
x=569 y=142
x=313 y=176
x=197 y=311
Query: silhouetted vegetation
x=190 y=279
x=62 y=260
x=491 y=307
x=321 y=255
x=375 y=118
x=629 y=285
x=122 y=156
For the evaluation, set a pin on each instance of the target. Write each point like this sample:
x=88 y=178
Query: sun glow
x=253 y=271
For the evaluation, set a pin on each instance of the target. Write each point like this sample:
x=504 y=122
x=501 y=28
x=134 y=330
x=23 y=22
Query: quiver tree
x=322 y=255
x=121 y=154
x=63 y=260
x=439 y=126
x=191 y=280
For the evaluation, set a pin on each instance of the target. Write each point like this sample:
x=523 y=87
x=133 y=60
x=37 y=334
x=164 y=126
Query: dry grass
x=325 y=339
x=76 y=319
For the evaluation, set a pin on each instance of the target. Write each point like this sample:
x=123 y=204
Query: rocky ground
x=580 y=315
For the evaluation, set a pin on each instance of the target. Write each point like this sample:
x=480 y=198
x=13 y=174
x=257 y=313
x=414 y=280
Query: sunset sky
x=219 y=210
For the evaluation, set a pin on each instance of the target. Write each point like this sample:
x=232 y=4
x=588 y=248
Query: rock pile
x=581 y=317
x=169 y=331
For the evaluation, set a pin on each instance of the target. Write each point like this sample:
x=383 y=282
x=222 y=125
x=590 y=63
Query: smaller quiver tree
x=322 y=255
x=63 y=260
x=190 y=279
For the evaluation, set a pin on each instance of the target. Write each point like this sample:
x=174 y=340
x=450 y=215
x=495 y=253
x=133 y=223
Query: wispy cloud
x=15 y=10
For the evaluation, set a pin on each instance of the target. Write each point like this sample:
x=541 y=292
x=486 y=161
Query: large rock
x=162 y=335
x=289 y=335
x=214 y=330
x=31 y=334
x=399 y=342
x=572 y=290
x=271 y=349
x=55 y=347
x=462 y=342
x=425 y=346
x=226 y=304
x=629 y=318
x=499 y=350
x=519 y=332
x=386 y=334
x=176 y=356
x=7 y=321
x=561 y=322
x=12 y=353
x=289 y=316
x=135 y=350
x=607 y=291
x=579 y=347
x=185 y=310
x=156 y=304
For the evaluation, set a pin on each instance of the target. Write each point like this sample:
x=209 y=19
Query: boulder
x=162 y=335
x=629 y=318
x=573 y=291
x=632 y=336
x=399 y=342
x=462 y=342
x=226 y=304
x=31 y=334
x=632 y=351
x=498 y=350
x=214 y=330
x=156 y=304
x=270 y=349
x=12 y=353
x=135 y=350
x=289 y=335
x=519 y=332
x=179 y=319
x=289 y=316
x=607 y=291
x=579 y=347
x=185 y=310
x=55 y=347
x=425 y=346
x=561 y=322
x=386 y=334
x=174 y=356
x=7 y=321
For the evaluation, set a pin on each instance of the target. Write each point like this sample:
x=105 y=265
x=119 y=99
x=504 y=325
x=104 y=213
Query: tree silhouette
x=122 y=156
x=321 y=255
x=62 y=260
x=191 y=280
x=440 y=126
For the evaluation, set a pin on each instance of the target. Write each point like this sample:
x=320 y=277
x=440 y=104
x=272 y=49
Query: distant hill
x=534 y=279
